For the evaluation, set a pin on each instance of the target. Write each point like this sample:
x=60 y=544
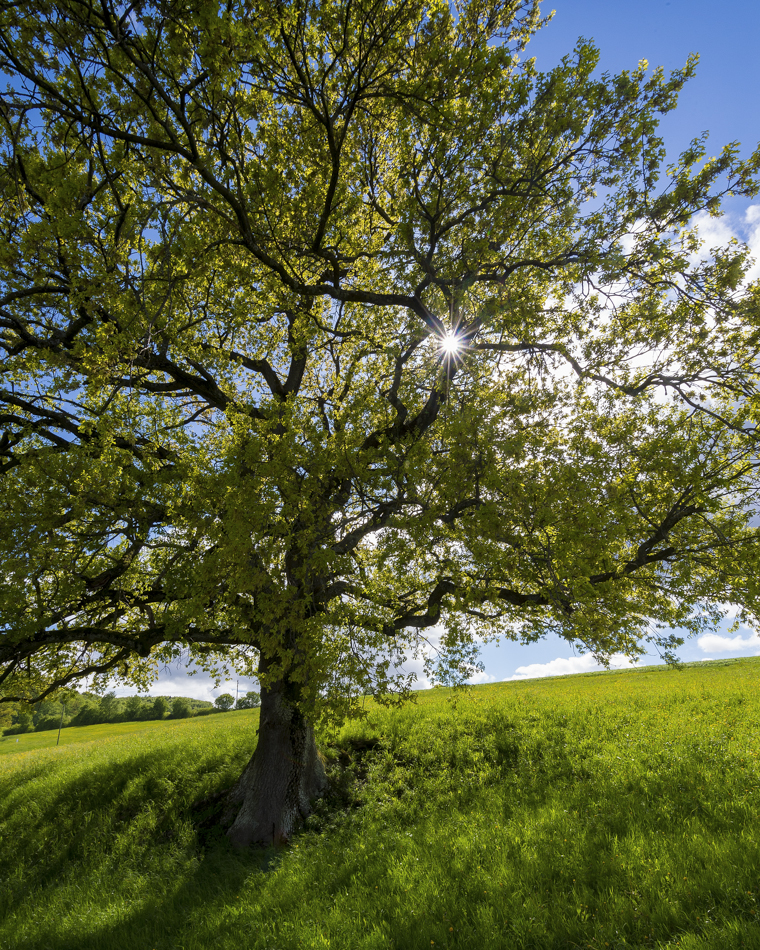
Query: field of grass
x=613 y=810
x=28 y=741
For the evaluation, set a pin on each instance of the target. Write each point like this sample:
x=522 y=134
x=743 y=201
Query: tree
x=251 y=700
x=326 y=324
x=22 y=722
x=108 y=707
x=159 y=708
x=133 y=708
x=225 y=702
x=7 y=714
x=45 y=710
x=88 y=714
x=180 y=708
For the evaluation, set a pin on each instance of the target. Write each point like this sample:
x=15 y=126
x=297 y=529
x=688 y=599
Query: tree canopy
x=323 y=324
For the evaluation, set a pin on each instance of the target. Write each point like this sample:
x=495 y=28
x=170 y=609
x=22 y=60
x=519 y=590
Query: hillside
x=30 y=741
x=606 y=810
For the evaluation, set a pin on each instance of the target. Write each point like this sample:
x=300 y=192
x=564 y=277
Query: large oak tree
x=324 y=323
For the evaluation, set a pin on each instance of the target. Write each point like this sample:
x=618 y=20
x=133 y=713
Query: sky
x=723 y=98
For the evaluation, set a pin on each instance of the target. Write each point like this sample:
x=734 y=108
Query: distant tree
x=249 y=701
x=180 y=708
x=87 y=714
x=108 y=707
x=48 y=722
x=224 y=702
x=133 y=708
x=23 y=720
x=44 y=710
x=159 y=708
x=7 y=715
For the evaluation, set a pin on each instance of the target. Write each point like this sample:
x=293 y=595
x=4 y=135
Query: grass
x=613 y=810
x=29 y=741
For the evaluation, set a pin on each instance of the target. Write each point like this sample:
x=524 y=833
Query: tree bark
x=285 y=774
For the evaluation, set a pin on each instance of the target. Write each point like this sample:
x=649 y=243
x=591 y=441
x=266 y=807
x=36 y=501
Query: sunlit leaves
x=233 y=240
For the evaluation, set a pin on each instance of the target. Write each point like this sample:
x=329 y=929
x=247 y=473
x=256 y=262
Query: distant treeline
x=88 y=709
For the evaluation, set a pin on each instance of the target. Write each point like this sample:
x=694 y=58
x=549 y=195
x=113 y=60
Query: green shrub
x=49 y=722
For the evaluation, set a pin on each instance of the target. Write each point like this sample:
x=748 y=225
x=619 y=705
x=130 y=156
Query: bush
x=88 y=715
x=49 y=722
x=22 y=723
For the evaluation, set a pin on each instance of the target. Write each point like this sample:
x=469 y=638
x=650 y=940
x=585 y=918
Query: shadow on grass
x=160 y=921
x=589 y=871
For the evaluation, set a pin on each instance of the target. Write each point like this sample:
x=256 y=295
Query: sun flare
x=450 y=344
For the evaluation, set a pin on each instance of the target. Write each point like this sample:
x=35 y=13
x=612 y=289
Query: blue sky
x=723 y=98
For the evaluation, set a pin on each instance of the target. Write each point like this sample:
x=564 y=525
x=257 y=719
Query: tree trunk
x=285 y=774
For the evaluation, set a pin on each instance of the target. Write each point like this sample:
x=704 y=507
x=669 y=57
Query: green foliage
x=49 y=722
x=225 y=702
x=250 y=701
x=87 y=715
x=134 y=708
x=45 y=710
x=613 y=809
x=22 y=722
x=108 y=707
x=159 y=708
x=180 y=708
x=87 y=711
x=233 y=240
x=7 y=714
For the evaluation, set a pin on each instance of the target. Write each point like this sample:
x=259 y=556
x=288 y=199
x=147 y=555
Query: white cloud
x=714 y=232
x=752 y=237
x=481 y=677
x=717 y=232
x=712 y=643
x=565 y=666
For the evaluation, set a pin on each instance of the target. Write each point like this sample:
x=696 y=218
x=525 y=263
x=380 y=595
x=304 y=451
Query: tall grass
x=610 y=810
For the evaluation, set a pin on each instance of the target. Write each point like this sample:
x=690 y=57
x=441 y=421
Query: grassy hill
x=29 y=741
x=611 y=810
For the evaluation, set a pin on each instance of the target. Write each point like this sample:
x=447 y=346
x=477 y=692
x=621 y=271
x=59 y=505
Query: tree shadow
x=94 y=822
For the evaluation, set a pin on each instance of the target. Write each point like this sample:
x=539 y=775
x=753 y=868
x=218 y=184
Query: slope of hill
x=29 y=741
x=611 y=810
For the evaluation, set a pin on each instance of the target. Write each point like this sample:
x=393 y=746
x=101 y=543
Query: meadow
x=28 y=741
x=610 y=810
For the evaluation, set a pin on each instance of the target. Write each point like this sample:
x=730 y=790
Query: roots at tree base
x=284 y=776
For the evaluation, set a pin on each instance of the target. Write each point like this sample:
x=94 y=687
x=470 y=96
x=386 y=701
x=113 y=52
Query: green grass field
x=601 y=811
x=29 y=741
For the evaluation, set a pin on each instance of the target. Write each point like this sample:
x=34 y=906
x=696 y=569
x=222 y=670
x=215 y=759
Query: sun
x=451 y=344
